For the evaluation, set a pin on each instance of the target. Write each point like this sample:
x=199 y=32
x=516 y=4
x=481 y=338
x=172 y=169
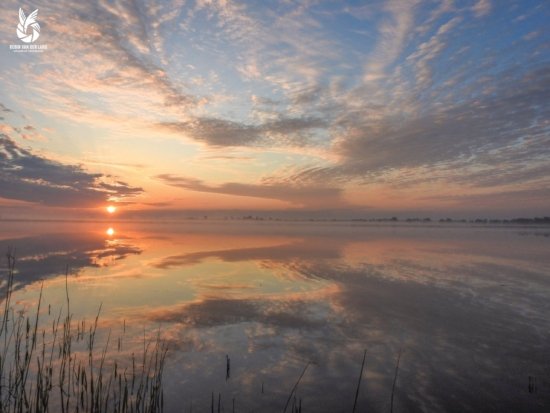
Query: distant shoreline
x=393 y=220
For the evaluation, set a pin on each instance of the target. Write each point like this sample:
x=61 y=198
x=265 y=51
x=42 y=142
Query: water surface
x=467 y=307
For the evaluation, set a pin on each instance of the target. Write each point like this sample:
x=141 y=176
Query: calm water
x=468 y=307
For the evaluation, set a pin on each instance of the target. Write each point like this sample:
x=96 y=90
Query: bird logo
x=26 y=22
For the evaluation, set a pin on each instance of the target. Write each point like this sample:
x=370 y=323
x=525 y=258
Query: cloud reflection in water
x=469 y=307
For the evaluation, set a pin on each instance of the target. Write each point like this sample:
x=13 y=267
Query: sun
x=110 y=232
x=111 y=209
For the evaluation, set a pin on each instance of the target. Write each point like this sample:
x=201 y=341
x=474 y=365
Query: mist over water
x=467 y=307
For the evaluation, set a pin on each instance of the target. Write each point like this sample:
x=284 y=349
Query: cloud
x=507 y=122
x=227 y=158
x=429 y=50
x=481 y=8
x=297 y=195
x=220 y=132
x=393 y=35
x=4 y=109
x=48 y=255
x=110 y=66
x=284 y=254
x=217 y=311
x=496 y=200
x=33 y=178
x=126 y=38
x=30 y=133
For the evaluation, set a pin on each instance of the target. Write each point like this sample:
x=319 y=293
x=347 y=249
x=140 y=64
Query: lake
x=465 y=309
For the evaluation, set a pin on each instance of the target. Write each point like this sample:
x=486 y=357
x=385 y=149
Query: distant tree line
x=536 y=220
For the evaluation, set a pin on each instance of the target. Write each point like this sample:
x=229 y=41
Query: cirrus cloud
x=296 y=195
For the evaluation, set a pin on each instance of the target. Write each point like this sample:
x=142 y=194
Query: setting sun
x=110 y=232
x=111 y=209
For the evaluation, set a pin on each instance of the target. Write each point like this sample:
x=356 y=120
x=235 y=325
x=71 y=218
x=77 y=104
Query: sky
x=305 y=108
